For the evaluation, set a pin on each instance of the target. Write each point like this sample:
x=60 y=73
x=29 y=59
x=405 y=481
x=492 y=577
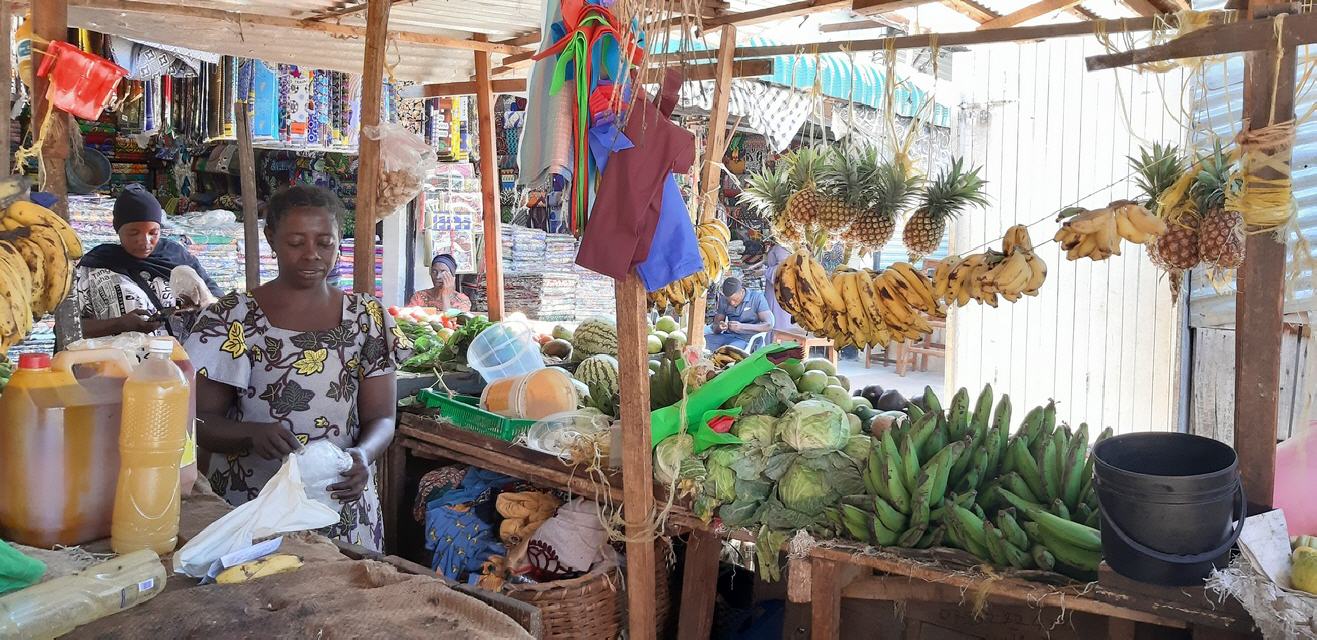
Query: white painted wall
x=1101 y=338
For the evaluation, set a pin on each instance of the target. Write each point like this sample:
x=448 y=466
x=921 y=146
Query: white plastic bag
x=322 y=463
x=405 y=161
x=281 y=507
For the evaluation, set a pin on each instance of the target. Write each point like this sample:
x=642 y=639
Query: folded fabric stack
x=559 y=252
x=92 y=217
x=346 y=261
x=594 y=295
x=541 y=296
x=269 y=266
x=523 y=249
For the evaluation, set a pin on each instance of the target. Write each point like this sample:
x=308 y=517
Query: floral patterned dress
x=306 y=380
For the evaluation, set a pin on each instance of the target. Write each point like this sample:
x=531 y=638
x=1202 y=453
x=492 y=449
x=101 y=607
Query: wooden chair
x=807 y=341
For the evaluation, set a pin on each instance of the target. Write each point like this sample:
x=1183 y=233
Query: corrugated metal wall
x=1218 y=113
x=1101 y=338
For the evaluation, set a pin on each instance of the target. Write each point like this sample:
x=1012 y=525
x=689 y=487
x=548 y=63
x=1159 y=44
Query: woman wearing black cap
x=444 y=294
x=123 y=287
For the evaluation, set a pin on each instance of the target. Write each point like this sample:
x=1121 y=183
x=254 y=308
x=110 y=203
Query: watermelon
x=592 y=337
x=599 y=370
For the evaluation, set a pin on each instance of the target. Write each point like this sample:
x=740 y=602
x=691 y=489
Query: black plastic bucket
x=1172 y=505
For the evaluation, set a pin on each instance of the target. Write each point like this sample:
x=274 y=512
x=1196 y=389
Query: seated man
x=739 y=316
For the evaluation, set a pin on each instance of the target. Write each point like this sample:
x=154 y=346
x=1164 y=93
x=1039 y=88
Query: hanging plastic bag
x=281 y=507
x=405 y=161
x=322 y=463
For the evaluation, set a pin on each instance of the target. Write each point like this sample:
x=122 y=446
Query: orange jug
x=59 y=447
x=188 y=471
x=152 y=436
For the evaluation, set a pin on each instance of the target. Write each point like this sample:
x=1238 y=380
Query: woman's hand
x=271 y=440
x=446 y=282
x=354 y=479
x=136 y=320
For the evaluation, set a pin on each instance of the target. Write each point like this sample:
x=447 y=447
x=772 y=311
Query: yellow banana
x=920 y=285
x=1037 y=275
x=816 y=277
x=1017 y=238
x=1145 y=220
x=1125 y=227
x=1090 y=222
x=29 y=214
x=1011 y=274
x=36 y=264
x=942 y=277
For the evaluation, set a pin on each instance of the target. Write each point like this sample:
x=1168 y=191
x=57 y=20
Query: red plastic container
x=80 y=83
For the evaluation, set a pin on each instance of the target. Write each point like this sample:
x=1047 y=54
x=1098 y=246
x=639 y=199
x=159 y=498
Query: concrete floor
x=910 y=385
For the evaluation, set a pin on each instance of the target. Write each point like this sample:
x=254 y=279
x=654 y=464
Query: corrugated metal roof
x=1218 y=112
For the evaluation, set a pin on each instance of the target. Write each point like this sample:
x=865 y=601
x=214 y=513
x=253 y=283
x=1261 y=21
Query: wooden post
x=637 y=471
x=6 y=73
x=1260 y=301
x=251 y=241
x=368 y=165
x=711 y=171
x=825 y=599
x=50 y=22
x=699 y=585
x=493 y=246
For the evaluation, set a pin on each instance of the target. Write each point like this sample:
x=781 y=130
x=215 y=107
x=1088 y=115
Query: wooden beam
x=1144 y=8
x=1035 y=10
x=825 y=599
x=6 y=75
x=50 y=22
x=852 y=25
x=523 y=40
x=251 y=238
x=699 y=582
x=637 y=461
x=740 y=69
x=711 y=172
x=879 y=7
x=343 y=11
x=368 y=149
x=972 y=10
x=491 y=214
x=922 y=41
x=1246 y=35
x=1259 y=303
x=256 y=19
x=773 y=14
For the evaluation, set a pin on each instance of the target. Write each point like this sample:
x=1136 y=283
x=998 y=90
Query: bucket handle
x=1240 y=506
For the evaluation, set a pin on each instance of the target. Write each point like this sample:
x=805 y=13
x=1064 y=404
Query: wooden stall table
x=422 y=439
x=203 y=507
x=807 y=341
x=1113 y=607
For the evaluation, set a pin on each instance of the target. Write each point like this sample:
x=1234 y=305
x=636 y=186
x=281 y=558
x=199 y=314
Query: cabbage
x=720 y=478
x=668 y=456
x=858 y=447
x=765 y=395
x=814 y=424
x=818 y=479
x=755 y=429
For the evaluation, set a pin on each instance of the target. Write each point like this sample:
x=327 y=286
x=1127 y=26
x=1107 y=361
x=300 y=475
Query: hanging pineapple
x=1221 y=233
x=803 y=207
x=842 y=182
x=1159 y=168
x=891 y=189
x=946 y=197
x=766 y=193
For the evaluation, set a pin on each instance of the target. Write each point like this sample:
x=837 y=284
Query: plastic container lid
x=504 y=350
x=162 y=345
x=33 y=361
x=544 y=393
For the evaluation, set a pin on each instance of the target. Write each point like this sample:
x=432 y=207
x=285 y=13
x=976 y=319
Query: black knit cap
x=136 y=204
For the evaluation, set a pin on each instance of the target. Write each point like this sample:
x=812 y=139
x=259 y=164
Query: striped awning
x=843 y=77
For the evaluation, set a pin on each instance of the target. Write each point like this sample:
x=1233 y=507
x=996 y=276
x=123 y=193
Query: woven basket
x=592 y=606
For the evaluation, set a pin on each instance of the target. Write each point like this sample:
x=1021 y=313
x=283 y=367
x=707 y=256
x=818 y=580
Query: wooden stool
x=807 y=341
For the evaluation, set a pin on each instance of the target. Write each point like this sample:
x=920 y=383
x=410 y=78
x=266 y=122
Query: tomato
x=393 y=311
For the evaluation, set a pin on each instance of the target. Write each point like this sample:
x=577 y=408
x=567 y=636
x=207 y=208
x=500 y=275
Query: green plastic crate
x=464 y=412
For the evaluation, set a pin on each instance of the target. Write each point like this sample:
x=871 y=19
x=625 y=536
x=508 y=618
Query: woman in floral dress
x=294 y=361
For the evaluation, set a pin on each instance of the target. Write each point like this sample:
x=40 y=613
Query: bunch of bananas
x=1013 y=272
x=1096 y=234
x=713 y=237
x=857 y=308
x=727 y=356
x=959 y=478
x=36 y=247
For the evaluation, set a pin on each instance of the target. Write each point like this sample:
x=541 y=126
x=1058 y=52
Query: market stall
x=936 y=500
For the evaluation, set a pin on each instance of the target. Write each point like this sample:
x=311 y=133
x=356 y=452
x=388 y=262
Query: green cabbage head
x=755 y=429
x=814 y=424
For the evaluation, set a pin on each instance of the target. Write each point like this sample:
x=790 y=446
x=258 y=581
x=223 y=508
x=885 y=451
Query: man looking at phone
x=740 y=314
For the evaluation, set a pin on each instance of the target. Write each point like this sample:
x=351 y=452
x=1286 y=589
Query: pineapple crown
x=1158 y=168
x=766 y=191
x=954 y=190
x=1214 y=181
x=893 y=187
x=804 y=166
x=842 y=175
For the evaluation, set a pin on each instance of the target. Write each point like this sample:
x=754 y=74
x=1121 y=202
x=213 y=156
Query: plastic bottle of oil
x=152 y=436
x=59 y=447
x=188 y=474
x=52 y=609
